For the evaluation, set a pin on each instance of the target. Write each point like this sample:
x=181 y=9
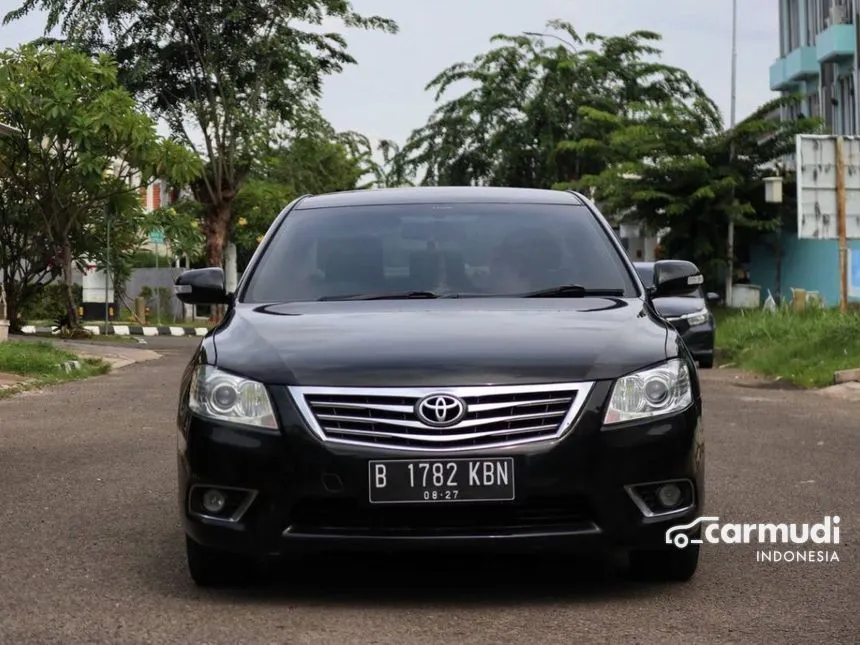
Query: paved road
x=91 y=548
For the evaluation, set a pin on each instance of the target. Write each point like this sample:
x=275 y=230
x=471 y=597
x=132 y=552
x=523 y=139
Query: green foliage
x=32 y=358
x=146 y=259
x=312 y=163
x=25 y=253
x=40 y=364
x=383 y=163
x=240 y=72
x=317 y=161
x=257 y=205
x=804 y=348
x=524 y=120
x=689 y=176
x=81 y=152
x=48 y=302
x=181 y=225
x=603 y=115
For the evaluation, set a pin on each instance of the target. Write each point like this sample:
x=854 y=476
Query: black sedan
x=690 y=314
x=440 y=368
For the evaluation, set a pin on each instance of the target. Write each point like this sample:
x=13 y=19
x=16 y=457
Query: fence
x=156 y=286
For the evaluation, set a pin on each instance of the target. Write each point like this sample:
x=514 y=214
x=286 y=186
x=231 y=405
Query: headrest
x=427 y=265
x=353 y=259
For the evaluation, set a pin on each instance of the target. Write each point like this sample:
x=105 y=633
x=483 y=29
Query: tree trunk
x=68 y=279
x=217 y=228
x=18 y=293
x=8 y=299
x=13 y=309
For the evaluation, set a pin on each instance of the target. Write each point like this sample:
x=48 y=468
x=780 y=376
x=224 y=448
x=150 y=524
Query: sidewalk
x=845 y=391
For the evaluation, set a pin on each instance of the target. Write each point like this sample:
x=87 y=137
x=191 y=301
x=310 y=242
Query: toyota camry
x=439 y=368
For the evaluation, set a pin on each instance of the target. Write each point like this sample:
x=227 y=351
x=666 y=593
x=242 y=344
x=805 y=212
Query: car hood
x=678 y=306
x=440 y=342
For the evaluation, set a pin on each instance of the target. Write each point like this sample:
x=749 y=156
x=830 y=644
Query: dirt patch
x=742 y=378
x=8 y=380
x=771 y=385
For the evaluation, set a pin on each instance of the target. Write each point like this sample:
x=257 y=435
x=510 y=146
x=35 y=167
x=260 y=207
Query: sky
x=384 y=97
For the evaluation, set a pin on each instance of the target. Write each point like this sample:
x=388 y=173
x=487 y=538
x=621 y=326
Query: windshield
x=646 y=274
x=469 y=249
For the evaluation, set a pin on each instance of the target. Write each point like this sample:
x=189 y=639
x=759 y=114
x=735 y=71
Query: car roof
x=439 y=195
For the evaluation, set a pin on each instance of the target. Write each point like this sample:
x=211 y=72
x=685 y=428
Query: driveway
x=91 y=546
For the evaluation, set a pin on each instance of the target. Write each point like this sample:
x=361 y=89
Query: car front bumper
x=288 y=491
x=700 y=341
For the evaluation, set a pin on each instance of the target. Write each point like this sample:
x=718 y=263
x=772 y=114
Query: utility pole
x=730 y=250
x=107 y=267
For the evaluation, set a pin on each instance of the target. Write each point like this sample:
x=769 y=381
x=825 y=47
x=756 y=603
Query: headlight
x=650 y=393
x=693 y=319
x=218 y=395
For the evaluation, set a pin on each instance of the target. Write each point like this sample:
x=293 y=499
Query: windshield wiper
x=394 y=295
x=572 y=291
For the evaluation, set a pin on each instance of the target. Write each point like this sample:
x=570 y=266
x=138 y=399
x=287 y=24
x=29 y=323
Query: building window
x=783 y=33
x=829 y=92
x=815 y=105
x=793 y=25
x=816 y=19
x=847 y=106
x=824 y=13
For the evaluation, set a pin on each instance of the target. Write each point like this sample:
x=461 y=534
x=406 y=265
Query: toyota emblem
x=440 y=410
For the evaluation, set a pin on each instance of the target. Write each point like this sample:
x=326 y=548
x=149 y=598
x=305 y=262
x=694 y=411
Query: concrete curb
x=70 y=366
x=126 y=330
x=846 y=376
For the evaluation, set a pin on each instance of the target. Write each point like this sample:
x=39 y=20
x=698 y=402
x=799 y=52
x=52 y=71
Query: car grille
x=342 y=516
x=494 y=416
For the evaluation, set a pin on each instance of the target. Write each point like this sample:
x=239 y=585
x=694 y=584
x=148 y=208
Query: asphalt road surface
x=91 y=547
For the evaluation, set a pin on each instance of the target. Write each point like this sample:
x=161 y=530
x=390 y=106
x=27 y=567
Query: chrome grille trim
x=384 y=417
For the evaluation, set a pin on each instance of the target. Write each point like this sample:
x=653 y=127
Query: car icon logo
x=676 y=534
x=440 y=410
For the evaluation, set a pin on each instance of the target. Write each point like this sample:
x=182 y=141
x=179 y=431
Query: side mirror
x=712 y=297
x=675 y=278
x=202 y=287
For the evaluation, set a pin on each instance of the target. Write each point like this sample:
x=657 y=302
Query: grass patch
x=39 y=363
x=804 y=348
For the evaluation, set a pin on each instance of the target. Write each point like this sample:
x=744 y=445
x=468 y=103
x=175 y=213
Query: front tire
x=706 y=363
x=214 y=568
x=665 y=565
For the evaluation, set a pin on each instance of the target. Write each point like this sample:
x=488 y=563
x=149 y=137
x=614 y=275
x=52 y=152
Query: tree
x=690 y=177
x=603 y=115
x=180 y=223
x=520 y=121
x=314 y=162
x=25 y=255
x=226 y=74
x=82 y=148
x=383 y=162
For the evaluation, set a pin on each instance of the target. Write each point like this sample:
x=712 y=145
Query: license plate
x=441 y=480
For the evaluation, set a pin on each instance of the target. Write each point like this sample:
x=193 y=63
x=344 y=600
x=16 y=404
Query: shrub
x=805 y=348
x=50 y=302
